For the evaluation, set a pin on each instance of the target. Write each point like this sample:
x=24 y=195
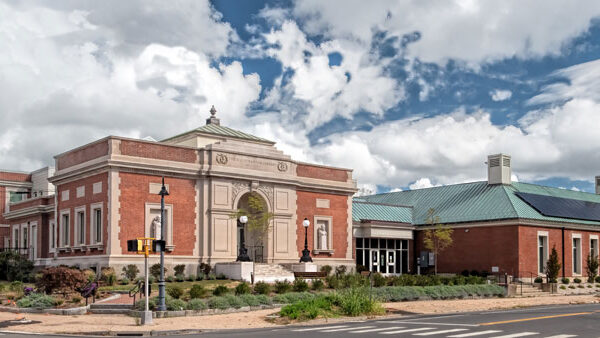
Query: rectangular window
x=97 y=225
x=25 y=244
x=52 y=236
x=542 y=253
x=594 y=247
x=577 y=256
x=16 y=196
x=16 y=238
x=80 y=227
x=65 y=240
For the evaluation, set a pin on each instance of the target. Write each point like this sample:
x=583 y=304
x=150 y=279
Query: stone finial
x=213 y=119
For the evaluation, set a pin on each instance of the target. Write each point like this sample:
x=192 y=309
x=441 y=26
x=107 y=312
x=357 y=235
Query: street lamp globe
x=244 y=219
x=306 y=223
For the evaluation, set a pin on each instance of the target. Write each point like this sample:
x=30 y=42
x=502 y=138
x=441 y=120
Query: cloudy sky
x=410 y=93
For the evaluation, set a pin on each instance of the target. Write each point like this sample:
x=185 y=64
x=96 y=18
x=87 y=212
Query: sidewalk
x=256 y=319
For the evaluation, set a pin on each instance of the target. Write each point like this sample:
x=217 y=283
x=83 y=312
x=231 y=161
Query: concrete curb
x=207 y=312
x=66 y=312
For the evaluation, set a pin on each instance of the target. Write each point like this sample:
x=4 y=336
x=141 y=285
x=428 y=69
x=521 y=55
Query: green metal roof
x=477 y=201
x=219 y=130
x=380 y=212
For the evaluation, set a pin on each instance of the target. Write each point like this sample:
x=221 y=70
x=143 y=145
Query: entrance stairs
x=270 y=273
x=117 y=304
x=529 y=290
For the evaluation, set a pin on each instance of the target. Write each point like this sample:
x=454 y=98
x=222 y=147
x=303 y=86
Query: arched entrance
x=256 y=231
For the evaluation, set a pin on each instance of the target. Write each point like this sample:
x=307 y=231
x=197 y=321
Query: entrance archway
x=256 y=231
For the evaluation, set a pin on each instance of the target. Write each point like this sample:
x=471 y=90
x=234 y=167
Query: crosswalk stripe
x=431 y=333
x=520 y=334
x=378 y=329
x=348 y=329
x=563 y=336
x=472 y=334
x=407 y=330
x=319 y=328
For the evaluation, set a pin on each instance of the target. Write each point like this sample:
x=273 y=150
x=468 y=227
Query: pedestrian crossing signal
x=158 y=245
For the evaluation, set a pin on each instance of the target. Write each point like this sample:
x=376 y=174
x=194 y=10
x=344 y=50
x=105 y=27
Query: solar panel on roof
x=562 y=207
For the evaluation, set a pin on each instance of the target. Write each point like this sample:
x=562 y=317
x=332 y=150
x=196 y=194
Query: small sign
x=431 y=259
x=495 y=269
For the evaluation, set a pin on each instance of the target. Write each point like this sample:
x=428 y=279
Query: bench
x=310 y=275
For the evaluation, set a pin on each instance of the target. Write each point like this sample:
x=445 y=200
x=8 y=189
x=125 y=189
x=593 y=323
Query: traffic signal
x=135 y=245
x=158 y=245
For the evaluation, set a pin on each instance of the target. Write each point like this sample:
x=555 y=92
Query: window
x=64 y=228
x=16 y=237
x=52 y=236
x=16 y=196
x=594 y=247
x=80 y=227
x=542 y=253
x=577 y=256
x=25 y=237
x=97 y=225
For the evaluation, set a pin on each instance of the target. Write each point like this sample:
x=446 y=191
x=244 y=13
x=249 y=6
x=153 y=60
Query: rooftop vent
x=499 y=170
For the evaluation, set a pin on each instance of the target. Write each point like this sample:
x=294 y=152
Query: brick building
x=106 y=192
x=499 y=226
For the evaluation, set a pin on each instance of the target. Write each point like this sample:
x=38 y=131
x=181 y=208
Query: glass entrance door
x=374 y=266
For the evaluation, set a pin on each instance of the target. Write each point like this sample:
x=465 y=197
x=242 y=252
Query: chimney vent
x=499 y=169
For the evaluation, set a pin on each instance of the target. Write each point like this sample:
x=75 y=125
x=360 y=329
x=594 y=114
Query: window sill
x=98 y=246
x=64 y=249
x=328 y=252
x=170 y=247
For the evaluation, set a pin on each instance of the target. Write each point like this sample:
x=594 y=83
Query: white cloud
x=473 y=31
x=422 y=183
x=500 y=94
x=395 y=190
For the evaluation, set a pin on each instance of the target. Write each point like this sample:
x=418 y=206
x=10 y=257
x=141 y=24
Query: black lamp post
x=243 y=252
x=161 y=283
x=305 y=253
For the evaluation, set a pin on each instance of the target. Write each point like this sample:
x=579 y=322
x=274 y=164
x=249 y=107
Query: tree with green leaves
x=553 y=266
x=438 y=237
x=259 y=218
x=591 y=267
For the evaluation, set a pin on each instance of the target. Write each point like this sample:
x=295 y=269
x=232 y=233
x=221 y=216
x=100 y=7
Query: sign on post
x=144 y=246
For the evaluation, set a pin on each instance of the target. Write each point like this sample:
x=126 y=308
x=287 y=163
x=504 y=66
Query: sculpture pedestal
x=236 y=270
x=305 y=267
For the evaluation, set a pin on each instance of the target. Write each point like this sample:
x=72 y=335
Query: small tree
x=131 y=271
x=553 y=266
x=591 y=267
x=437 y=238
x=61 y=279
x=259 y=219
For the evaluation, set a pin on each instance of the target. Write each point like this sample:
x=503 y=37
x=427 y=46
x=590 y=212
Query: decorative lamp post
x=305 y=253
x=243 y=253
x=161 y=283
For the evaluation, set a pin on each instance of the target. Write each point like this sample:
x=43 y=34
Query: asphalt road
x=556 y=322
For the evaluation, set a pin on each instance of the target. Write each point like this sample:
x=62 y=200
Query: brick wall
x=479 y=249
x=158 y=151
x=82 y=155
x=134 y=196
x=16 y=177
x=305 y=170
x=32 y=202
x=338 y=210
x=85 y=201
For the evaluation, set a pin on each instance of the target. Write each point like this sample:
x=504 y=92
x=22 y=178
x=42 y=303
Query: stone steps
x=271 y=272
x=110 y=308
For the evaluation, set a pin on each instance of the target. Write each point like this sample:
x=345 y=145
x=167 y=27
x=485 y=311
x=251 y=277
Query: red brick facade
x=83 y=154
x=158 y=151
x=135 y=194
x=331 y=174
x=338 y=210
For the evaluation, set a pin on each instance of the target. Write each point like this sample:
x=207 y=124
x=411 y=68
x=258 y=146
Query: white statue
x=322 y=233
x=156 y=228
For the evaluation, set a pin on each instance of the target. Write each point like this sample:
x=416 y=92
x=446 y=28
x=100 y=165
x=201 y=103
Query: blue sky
x=408 y=94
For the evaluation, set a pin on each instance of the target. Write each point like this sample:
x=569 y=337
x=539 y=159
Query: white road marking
x=520 y=334
x=563 y=336
x=348 y=329
x=431 y=333
x=408 y=330
x=438 y=317
x=378 y=329
x=472 y=334
x=428 y=323
x=319 y=328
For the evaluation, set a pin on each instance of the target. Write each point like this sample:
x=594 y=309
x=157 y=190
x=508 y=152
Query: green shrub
x=155 y=271
x=317 y=285
x=204 y=268
x=307 y=309
x=76 y=299
x=300 y=285
x=577 y=280
x=175 y=291
x=170 y=279
x=292 y=297
x=572 y=287
x=218 y=303
x=580 y=286
x=563 y=287
x=538 y=280
x=191 y=278
x=264 y=300
x=590 y=286
x=404 y=293
x=175 y=305
x=37 y=300
x=327 y=269
x=220 y=290
x=14 y=267
x=351 y=302
x=200 y=276
x=262 y=288
x=565 y=280
x=179 y=269
x=62 y=279
x=378 y=280
x=140 y=305
x=111 y=279
x=597 y=279
x=249 y=300
x=211 y=276
x=124 y=281
x=16 y=286
x=340 y=270
x=180 y=278
x=198 y=291
x=243 y=288
x=333 y=282
x=234 y=302
x=357 y=301
x=221 y=276
x=130 y=271
x=197 y=304
x=282 y=286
